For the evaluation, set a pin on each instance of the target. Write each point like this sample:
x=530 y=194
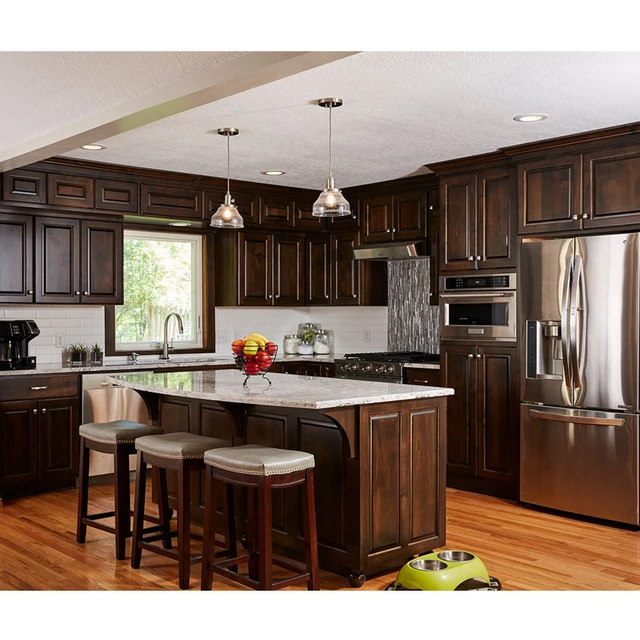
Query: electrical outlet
x=367 y=335
x=60 y=340
x=221 y=336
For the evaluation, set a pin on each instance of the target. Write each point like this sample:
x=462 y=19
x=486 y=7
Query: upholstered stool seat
x=183 y=453
x=116 y=437
x=261 y=469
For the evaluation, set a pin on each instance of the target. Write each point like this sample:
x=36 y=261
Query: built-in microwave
x=478 y=307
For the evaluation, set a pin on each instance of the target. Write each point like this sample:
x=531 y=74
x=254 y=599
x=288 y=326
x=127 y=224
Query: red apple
x=271 y=348
x=251 y=368
x=264 y=360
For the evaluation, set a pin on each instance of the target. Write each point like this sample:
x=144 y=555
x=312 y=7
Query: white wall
x=76 y=324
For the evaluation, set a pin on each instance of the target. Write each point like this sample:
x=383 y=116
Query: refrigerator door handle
x=564 y=325
x=563 y=417
x=573 y=321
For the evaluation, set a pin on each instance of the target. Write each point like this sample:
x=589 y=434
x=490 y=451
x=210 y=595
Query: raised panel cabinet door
x=458 y=371
x=70 y=191
x=345 y=285
x=304 y=218
x=497 y=219
x=288 y=270
x=338 y=223
x=458 y=222
x=117 y=195
x=171 y=202
x=550 y=194
x=102 y=262
x=410 y=215
x=248 y=206
x=25 y=186
x=433 y=239
x=276 y=211
x=16 y=258
x=377 y=219
x=318 y=270
x=58 y=442
x=255 y=269
x=57 y=248
x=18 y=445
x=611 y=187
x=498 y=413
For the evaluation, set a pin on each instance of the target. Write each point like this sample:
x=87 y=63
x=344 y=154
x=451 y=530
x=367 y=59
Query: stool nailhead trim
x=260 y=473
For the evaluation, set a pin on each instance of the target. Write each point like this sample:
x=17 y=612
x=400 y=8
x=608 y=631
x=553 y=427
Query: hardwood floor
x=526 y=549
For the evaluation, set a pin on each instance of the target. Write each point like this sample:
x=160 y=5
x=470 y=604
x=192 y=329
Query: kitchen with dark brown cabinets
x=445 y=316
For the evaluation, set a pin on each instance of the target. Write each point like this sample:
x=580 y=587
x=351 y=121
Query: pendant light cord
x=228 y=165
x=330 y=159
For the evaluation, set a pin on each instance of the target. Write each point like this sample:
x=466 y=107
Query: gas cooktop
x=394 y=356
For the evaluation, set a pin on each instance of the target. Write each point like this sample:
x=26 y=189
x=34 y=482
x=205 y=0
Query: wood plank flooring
x=525 y=548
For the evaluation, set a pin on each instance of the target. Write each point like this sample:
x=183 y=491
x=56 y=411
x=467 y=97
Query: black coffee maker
x=15 y=336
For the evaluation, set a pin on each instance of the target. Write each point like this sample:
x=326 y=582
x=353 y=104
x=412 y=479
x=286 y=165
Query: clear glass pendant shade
x=331 y=203
x=227 y=216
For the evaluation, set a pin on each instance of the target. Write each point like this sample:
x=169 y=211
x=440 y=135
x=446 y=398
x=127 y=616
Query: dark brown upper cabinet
x=277 y=211
x=22 y=185
x=304 y=219
x=377 y=219
x=16 y=258
x=611 y=187
x=318 y=269
x=409 y=215
x=478 y=220
x=248 y=206
x=288 y=270
x=171 y=202
x=115 y=195
x=102 y=259
x=255 y=267
x=57 y=260
x=550 y=194
x=70 y=191
x=345 y=276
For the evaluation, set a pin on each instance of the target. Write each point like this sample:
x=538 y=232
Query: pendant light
x=227 y=216
x=330 y=203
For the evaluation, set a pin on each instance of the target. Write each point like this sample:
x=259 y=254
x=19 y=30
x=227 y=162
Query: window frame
x=207 y=282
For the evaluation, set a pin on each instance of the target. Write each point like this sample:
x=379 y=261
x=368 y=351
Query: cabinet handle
x=30 y=292
x=575 y=216
x=470 y=258
x=585 y=216
x=470 y=356
x=38 y=388
x=35 y=411
x=44 y=411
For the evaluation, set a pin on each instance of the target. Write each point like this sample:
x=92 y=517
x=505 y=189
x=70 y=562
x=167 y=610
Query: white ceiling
x=401 y=110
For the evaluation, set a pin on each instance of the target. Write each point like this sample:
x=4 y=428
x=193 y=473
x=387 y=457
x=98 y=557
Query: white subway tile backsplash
x=51 y=312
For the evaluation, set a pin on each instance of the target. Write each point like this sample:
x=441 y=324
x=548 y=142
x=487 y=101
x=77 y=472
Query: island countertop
x=285 y=391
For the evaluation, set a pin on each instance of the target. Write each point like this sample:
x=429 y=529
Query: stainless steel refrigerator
x=580 y=334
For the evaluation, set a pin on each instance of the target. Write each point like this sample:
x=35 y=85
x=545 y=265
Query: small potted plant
x=96 y=354
x=78 y=353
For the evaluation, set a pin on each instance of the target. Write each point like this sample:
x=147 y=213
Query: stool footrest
x=102 y=527
x=168 y=553
x=221 y=568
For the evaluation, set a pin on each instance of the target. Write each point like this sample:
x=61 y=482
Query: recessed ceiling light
x=179 y=224
x=531 y=117
x=273 y=173
x=93 y=147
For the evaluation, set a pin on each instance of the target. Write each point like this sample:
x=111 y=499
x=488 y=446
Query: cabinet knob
x=471 y=258
x=355 y=295
x=388 y=230
x=431 y=208
x=575 y=216
x=277 y=296
x=77 y=293
x=478 y=257
x=30 y=292
x=327 y=296
x=470 y=356
x=85 y=293
x=478 y=356
x=269 y=296
x=35 y=411
x=393 y=230
x=584 y=216
x=44 y=411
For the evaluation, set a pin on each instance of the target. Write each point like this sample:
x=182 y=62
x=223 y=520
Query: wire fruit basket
x=257 y=364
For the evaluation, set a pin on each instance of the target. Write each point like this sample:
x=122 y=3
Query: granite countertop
x=146 y=363
x=286 y=391
x=422 y=365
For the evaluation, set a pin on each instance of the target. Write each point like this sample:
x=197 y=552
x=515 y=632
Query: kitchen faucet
x=165 y=342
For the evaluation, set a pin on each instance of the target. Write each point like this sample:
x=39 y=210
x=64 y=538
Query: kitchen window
x=162 y=274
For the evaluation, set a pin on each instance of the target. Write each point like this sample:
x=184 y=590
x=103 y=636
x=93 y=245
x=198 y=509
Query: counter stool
x=260 y=469
x=181 y=452
x=117 y=438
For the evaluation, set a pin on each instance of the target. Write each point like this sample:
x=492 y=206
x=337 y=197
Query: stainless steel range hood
x=392 y=251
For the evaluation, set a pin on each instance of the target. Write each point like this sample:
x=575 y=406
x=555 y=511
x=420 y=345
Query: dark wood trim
x=481 y=161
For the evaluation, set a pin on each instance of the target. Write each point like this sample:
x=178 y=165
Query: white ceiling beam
x=241 y=74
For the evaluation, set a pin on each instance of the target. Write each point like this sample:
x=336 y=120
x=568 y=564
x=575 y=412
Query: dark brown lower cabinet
x=39 y=445
x=379 y=476
x=482 y=417
x=428 y=377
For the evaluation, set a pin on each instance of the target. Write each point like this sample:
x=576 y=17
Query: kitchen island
x=380 y=452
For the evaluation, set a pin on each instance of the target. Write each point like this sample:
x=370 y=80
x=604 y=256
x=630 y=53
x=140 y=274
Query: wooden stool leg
x=264 y=534
x=209 y=532
x=138 y=510
x=83 y=491
x=254 y=532
x=310 y=531
x=122 y=500
x=230 y=523
x=184 y=534
x=160 y=477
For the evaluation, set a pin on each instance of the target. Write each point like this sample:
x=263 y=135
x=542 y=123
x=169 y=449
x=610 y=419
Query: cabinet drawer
x=113 y=195
x=28 y=387
x=70 y=191
x=172 y=202
x=25 y=186
x=429 y=377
